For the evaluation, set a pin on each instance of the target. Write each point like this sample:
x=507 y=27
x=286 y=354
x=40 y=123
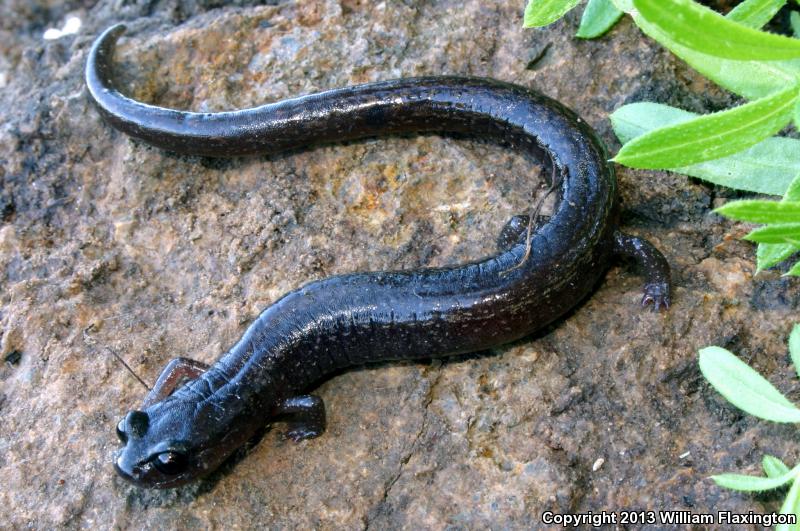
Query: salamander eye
x=121 y=431
x=170 y=463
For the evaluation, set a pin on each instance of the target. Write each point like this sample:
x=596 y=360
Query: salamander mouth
x=145 y=475
x=123 y=473
x=132 y=474
x=135 y=471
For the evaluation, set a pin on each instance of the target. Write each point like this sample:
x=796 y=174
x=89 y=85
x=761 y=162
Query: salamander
x=196 y=416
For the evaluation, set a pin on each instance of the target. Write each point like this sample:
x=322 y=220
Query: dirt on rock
x=106 y=243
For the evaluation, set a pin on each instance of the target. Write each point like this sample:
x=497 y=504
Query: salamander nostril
x=136 y=423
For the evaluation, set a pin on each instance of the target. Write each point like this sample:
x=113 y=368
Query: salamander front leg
x=307 y=416
x=174 y=374
x=655 y=266
x=513 y=230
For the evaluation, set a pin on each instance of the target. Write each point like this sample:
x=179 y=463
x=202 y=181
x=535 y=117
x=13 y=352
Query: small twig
x=537 y=207
x=89 y=340
x=122 y=361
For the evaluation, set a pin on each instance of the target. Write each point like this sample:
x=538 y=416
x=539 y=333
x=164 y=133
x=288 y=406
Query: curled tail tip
x=114 y=31
x=97 y=63
x=106 y=40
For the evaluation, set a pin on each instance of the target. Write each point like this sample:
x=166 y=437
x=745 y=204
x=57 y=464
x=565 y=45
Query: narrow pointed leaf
x=636 y=119
x=744 y=483
x=767 y=167
x=773 y=467
x=598 y=17
x=785 y=233
x=745 y=388
x=794 y=271
x=750 y=79
x=755 y=13
x=790 y=506
x=794 y=347
x=710 y=136
x=543 y=12
x=772 y=254
x=700 y=28
x=760 y=211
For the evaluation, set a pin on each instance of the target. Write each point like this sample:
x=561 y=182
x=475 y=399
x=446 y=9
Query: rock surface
x=108 y=244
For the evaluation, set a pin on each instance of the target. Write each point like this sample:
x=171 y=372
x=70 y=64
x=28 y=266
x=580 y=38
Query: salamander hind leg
x=655 y=266
x=175 y=373
x=307 y=416
x=513 y=230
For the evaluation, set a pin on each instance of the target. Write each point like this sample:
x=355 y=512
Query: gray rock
x=108 y=244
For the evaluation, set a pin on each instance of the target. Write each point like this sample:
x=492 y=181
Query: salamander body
x=183 y=432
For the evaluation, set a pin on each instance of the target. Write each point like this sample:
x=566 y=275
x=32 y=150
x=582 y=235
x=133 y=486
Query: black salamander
x=184 y=431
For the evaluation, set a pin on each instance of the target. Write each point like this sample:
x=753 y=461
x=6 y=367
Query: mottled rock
x=108 y=244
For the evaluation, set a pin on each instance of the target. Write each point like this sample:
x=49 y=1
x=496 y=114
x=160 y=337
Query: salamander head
x=171 y=443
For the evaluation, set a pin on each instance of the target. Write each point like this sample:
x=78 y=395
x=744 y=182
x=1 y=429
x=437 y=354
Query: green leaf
x=761 y=211
x=745 y=388
x=636 y=119
x=710 y=136
x=753 y=483
x=794 y=271
x=771 y=254
x=768 y=167
x=774 y=467
x=750 y=79
x=598 y=17
x=700 y=28
x=755 y=13
x=793 y=191
x=794 y=20
x=785 y=233
x=797 y=114
x=790 y=505
x=794 y=347
x=543 y=12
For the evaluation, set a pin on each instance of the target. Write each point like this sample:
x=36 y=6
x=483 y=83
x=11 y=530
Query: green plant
x=598 y=17
x=734 y=148
x=749 y=391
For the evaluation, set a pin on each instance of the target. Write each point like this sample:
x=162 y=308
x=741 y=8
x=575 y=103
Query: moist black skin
x=360 y=318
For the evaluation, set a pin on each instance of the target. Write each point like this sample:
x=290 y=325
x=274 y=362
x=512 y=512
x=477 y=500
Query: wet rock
x=108 y=244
